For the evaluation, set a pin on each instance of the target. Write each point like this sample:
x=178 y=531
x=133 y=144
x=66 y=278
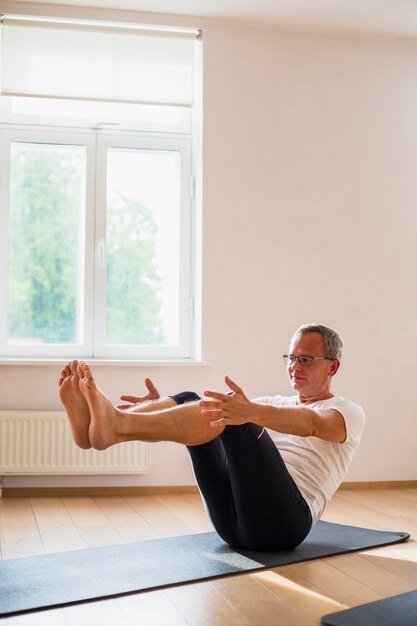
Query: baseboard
x=380 y=484
x=57 y=492
x=33 y=492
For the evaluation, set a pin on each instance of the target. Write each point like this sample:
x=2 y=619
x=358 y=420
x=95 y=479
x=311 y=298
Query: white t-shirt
x=318 y=466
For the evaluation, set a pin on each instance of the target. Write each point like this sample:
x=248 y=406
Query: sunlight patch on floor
x=307 y=601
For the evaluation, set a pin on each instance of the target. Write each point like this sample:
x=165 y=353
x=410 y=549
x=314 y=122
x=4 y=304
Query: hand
x=153 y=394
x=228 y=410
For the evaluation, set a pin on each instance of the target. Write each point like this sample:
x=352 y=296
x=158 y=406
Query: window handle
x=101 y=252
x=104 y=125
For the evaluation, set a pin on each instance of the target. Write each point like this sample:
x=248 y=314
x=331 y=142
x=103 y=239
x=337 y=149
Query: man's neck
x=309 y=399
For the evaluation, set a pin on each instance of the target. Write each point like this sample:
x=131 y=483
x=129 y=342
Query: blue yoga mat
x=68 y=577
x=398 y=610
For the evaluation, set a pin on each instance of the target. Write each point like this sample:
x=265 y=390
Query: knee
x=185 y=396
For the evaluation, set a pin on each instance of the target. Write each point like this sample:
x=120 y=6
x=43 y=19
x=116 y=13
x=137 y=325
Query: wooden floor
x=295 y=595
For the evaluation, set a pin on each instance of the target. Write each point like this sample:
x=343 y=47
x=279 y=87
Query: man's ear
x=335 y=364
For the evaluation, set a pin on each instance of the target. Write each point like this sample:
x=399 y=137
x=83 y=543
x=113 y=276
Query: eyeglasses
x=304 y=361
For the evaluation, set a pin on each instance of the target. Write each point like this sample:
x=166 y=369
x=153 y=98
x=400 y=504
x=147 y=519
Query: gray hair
x=333 y=343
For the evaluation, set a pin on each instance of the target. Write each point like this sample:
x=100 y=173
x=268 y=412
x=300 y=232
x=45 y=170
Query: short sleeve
x=354 y=417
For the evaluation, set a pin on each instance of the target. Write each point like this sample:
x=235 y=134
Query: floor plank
x=337 y=585
x=53 y=617
x=19 y=533
x=56 y=527
x=93 y=526
x=191 y=514
x=386 y=508
x=310 y=603
x=126 y=520
x=370 y=574
x=103 y=612
x=400 y=560
x=202 y=605
x=163 y=520
x=257 y=604
x=150 y=609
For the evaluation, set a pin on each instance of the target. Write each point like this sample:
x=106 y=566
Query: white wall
x=310 y=214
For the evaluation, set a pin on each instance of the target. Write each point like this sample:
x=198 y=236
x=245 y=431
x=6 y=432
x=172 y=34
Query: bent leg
x=247 y=490
x=271 y=512
x=250 y=496
x=212 y=475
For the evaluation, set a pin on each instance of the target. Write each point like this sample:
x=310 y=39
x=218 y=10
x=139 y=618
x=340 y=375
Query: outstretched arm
x=237 y=409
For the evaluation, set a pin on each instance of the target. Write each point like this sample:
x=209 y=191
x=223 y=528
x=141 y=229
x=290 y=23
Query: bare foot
x=106 y=420
x=75 y=404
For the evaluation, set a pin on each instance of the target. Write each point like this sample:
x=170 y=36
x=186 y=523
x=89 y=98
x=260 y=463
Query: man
x=265 y=468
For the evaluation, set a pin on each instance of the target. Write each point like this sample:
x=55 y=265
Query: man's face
x=312 y=380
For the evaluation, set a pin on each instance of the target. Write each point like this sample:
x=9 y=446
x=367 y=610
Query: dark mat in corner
x=67 y=577
x=395 y=611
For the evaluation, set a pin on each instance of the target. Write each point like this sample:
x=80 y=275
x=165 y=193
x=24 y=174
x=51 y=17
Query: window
x=96 y=231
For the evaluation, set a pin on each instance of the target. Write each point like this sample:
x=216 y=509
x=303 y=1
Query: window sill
x=106 y=362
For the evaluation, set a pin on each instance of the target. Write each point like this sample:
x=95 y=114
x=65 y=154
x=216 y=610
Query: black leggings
x=250 y=497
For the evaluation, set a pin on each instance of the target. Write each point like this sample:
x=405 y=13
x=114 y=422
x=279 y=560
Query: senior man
x=265 y=467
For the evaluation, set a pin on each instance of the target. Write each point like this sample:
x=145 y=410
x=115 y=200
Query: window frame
x=183 y=146
x=96 y=142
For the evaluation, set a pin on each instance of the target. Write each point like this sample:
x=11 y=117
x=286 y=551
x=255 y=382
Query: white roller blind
x=117 y=63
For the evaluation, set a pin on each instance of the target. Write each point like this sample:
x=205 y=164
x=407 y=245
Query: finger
x=227 y=420
x=216 y=395
x=132 y=399
x=123 y=407
x=212 y=412
x=217 y=423
x=210 y=404
x=231 y=384
x=150 y=386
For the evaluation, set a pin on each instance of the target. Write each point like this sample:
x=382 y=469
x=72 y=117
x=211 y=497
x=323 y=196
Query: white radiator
x=40 y=442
